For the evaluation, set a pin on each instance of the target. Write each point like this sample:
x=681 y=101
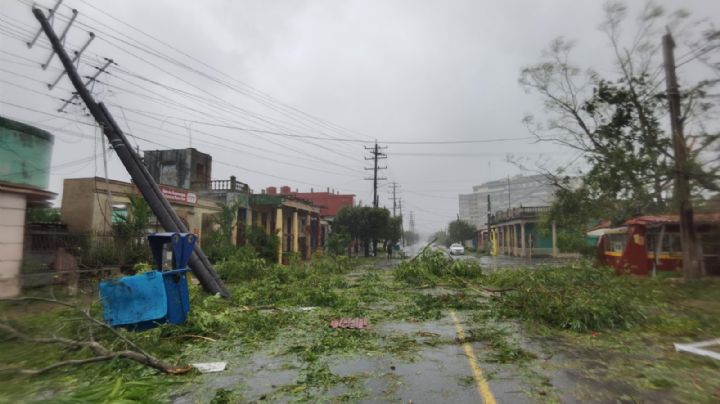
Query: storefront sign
x=175 y=195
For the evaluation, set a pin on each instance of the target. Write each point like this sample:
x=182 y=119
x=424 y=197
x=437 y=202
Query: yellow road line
x=482 y=385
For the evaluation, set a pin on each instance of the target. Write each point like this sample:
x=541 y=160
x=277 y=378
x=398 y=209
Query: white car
x=457 y=249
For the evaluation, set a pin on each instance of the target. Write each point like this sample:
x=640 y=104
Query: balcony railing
x=521 y=213
x=231 y=185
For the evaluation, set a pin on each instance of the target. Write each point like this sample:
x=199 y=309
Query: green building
x=25 y=153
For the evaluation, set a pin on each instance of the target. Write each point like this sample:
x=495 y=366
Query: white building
x=506 y=193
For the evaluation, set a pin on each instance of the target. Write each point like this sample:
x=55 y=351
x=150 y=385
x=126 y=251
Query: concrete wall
x=180 y=168
x=12 y=226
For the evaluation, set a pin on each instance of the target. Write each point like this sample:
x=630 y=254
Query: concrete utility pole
x=376 y=155
x=402 y=224
x=489 y=211
x=167 y=217
x=509 y=200
x=691 y=248
x=394 y=197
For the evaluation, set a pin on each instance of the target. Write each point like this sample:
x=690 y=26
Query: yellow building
x=91 y=206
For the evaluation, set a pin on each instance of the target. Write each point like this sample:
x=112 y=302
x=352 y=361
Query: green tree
x=411 y=237
x=218 y=245
x=459 y=231
x=440 y=237
x=43 y=215
x=266 y=245
x=366 y=224
x=131 y=231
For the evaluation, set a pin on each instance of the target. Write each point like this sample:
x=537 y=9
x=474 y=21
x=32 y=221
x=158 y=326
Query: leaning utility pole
x=691 y=248
x=167 y=217
x=376 y=155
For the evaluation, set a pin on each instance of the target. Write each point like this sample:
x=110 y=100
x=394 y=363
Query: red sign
x=175 y=195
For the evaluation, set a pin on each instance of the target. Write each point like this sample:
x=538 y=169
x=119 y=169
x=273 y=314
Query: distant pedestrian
x=388 y=248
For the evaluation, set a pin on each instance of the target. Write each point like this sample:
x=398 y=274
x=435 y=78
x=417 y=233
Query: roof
x=700 y=218
x=329 y=203
x=33 y=194
x=603 y=231
x=25 y=128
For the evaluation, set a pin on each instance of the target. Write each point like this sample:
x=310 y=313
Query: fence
x=94 y=254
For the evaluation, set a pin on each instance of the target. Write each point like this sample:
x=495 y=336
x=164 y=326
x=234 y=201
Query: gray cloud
x=400 y=70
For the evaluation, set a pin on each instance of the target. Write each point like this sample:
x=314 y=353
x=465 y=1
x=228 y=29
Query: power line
x=223 y=147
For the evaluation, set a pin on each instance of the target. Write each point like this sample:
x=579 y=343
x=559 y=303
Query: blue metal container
x=146 y=300
x=134 y=299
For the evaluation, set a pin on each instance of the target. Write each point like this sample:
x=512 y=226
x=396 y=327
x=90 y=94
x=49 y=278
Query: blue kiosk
x=145 y=300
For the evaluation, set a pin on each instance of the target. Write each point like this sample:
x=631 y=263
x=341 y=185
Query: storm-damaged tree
x=365 y=224
x=619 y=126
x=459 y=231
x=131 y=231
x=440 y=237
x=411 y=237
x=219 y=243
x=393 y=232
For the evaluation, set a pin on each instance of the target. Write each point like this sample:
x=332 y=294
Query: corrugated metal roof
x=700 y=218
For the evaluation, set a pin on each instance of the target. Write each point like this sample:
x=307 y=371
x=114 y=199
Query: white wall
x=12 y=226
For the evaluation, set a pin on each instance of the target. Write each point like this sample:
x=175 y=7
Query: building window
x=168 y=173
x=119 y=213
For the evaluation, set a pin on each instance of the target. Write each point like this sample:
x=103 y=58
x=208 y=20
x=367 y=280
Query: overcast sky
x=363 y=70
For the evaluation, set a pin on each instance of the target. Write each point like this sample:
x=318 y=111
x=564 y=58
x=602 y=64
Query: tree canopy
x=618 y=122
x=367 y=224
x=459 y=231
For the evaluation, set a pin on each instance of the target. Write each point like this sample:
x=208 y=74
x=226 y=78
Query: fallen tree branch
x=481 y=288
x=84 y=313
x=196 y=337
x=101 y=353
x=422 y=250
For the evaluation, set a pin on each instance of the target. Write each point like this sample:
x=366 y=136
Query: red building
x=652 y=243
x=330 y=203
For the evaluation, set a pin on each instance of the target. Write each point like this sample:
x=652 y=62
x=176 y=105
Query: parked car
x=457 y=249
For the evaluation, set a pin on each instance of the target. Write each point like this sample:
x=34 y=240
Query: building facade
x=24 y=174
x=179 y=168
x=92 y=206
x=507 y=193
x=295 y=221
x=516 y=232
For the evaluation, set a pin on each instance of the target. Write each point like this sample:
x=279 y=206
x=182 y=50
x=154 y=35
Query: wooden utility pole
x=691 y=248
